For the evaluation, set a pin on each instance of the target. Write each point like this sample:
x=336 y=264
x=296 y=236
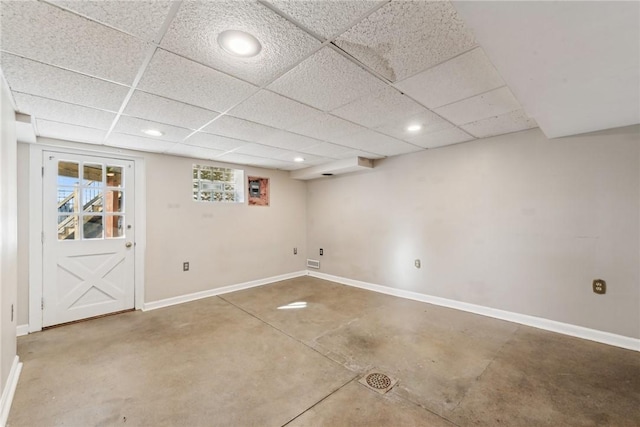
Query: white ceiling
x=334 y=79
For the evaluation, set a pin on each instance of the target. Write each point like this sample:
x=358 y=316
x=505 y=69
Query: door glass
x=68 y=173
x=92 y=227
x=114 y=227
x=113 y=203
x=92 y=199
x=92 y=175
x=68 y=227
x=114 y=176
x=67 y=199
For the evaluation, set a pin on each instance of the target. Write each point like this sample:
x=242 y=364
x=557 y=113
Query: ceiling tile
x=196 y=152
x=259 y=150
x=140 y=18
x=326 y=127
x=325 y=18
x=326 y=149
x=379 y=108
x=360 y=153
x=309 y=159
x=43 y=80
x=377 y=143
x=140 y=143
x=467 y=75
x=69 y=132
x=216 y=142
x=43 y=108
x=241 y=159
x=43 y=32
x=405 y=37
x=187 y=81
x=511 y=122
x=493 y=103
x=134 y=126
x=326 y=80
x=274 y=110
x=429 y=121
x=195 y=29
x=164 y=110
x=288 y=140
x=441 y=138
x=238 y=128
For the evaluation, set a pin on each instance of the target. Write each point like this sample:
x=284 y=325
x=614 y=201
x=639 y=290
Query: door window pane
x=92 y=227
x=67 y=199
x=92 y=175
x=68 y=173
x=68 y=227
x=114 y=176
x=114 y=226
x=92 y=199
x=113 y=202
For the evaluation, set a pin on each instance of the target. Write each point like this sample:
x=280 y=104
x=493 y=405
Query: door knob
x=128 y=244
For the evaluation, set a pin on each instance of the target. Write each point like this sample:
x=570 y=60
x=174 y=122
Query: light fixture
x=299 y=159
x=239 y=43
x=152 y=132
x=414 y=128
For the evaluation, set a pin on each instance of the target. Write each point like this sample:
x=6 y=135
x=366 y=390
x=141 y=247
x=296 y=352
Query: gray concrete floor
x=238 y=360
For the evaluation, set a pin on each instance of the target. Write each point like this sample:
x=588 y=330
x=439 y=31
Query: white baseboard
x=219 y=291
x=22 y=330
x=523 y=319
x=9 y=390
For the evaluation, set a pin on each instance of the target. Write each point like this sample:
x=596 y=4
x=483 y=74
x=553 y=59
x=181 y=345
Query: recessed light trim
x=239 y=43
x=414 y=128
x=299 y=159
x=152 y=132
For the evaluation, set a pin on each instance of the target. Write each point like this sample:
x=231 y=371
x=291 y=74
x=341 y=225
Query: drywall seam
x=9 y=390
x=523 y=319
x=219 y=291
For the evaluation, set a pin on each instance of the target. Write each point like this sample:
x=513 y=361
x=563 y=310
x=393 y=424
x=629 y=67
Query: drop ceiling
x=334 y=79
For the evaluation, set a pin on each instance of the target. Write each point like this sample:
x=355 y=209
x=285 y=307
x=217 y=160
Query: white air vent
x=313 y=263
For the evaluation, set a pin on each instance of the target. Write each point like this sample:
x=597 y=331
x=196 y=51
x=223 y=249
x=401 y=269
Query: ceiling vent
x=339 y=167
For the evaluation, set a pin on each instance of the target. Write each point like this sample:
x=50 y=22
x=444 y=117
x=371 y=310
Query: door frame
x=36 y=219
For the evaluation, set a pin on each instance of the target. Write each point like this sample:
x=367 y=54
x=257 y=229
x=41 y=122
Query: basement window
x=218 y=185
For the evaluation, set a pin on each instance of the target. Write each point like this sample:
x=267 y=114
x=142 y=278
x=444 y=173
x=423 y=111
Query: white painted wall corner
x=9 y=390
x=523 y=319
x=219 y=291
x=22 y=330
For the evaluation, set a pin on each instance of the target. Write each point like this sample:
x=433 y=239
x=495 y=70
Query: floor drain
x=378 y=382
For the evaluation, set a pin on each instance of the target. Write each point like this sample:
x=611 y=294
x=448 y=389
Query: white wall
x=8 y=235
x=517 y=222
x=225 y=244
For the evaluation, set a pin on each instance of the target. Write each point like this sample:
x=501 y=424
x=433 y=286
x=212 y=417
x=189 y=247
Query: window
x=213 y=184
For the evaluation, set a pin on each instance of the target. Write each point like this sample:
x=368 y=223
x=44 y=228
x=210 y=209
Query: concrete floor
x=238 y=360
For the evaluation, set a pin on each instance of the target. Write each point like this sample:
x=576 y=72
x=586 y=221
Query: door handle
x=128 y=244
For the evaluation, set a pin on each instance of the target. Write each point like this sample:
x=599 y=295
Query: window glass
x=214 y=184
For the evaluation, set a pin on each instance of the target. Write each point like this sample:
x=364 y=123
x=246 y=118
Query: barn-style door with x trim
x=88 y=237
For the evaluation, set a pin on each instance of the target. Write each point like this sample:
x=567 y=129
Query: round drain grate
x=378 y=381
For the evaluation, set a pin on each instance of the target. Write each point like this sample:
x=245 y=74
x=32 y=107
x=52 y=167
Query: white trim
x=22 y=330
x=35 y=218
x=9 y=390
x=523 y=319
x=219 y=291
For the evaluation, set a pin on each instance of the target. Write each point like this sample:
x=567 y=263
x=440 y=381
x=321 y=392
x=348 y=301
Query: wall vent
x=312 y=263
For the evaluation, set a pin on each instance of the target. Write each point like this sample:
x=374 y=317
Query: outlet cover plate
x=599 y=286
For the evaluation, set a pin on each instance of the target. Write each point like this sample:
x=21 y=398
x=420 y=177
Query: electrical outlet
x=599 y=286
x=185 y=266
x=321 y=252
x=417 y=263
x=295 y=251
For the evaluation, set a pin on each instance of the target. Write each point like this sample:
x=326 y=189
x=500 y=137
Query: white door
x=88 y=237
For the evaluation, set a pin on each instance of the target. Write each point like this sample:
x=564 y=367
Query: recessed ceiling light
x=414 y=128
x=239 y=43
x=299 y=159
x=152 y=132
